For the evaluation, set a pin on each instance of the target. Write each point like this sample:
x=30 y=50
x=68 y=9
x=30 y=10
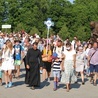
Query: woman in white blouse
x=8 y=63
x=69 y=66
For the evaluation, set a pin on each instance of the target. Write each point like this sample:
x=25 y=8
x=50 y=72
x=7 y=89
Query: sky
x=71 y=1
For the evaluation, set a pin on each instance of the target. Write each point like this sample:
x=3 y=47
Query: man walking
x=93 y=60
x=33 y=60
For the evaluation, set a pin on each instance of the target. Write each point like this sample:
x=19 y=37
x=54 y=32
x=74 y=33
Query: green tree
x=25 y=14
x=63 y=33
x=82 y=34
x=44 y=33
x=34 y=30
x=19 y=27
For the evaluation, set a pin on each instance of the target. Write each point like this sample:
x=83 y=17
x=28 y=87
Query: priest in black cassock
x=33 y=61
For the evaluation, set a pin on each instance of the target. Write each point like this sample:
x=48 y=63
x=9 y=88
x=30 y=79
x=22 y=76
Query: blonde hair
x=9 y=46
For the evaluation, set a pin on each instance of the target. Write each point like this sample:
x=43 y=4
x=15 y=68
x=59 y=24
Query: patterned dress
x=68 y=76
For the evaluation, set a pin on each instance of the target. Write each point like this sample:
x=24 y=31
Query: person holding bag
x=93 y=63
x=47 y=61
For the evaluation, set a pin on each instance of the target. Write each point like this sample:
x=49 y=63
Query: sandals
x=67 y=90
x=54 y=89
x=94 y=83
x=91 y=80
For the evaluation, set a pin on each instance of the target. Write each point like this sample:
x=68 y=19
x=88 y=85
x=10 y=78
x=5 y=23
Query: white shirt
x=69 y=54
x=6 y=55
x=87 y=51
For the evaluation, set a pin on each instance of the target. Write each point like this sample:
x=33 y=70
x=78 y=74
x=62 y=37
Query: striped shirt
x=56 y=66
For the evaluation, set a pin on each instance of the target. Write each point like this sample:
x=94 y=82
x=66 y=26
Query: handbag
x=47 y=59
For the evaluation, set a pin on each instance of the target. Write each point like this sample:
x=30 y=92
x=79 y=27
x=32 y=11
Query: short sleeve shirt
x=94 y=58
x=18 y=49
x=69 y=54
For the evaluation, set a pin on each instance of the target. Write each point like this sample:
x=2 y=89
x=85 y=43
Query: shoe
x=94 y=84
x=32 y=88
x=91 y=80
x=6 y=86
x=48 y=79
x=54 y=89
x=83 y=83
x=10 y=84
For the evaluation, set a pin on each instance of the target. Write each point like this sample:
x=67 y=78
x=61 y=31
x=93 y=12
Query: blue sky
x=71 y=0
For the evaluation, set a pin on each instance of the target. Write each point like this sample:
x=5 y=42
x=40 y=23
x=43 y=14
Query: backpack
x=55 y=55
x=55 y=49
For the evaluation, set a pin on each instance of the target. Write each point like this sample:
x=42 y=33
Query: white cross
x=49 y=23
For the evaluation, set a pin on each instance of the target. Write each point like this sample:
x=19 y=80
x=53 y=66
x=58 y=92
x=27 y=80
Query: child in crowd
x=18 y=52
x=56 y=71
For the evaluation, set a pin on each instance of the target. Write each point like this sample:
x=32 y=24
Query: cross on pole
x=48 y=23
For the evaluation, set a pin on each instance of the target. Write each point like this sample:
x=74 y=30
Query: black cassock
x=33 y=59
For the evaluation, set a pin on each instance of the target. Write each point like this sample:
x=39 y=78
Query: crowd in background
x=65 y=58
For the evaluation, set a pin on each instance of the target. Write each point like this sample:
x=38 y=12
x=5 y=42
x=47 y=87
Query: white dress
x=8 y=60
x=80 y=61
x=69 y=73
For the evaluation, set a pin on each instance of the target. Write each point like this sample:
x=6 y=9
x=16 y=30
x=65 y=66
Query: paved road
x=19 y=90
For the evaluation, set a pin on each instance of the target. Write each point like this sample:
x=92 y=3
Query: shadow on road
x=22 y=76
x=43 y=84
x=18 y=83
x=22 y=70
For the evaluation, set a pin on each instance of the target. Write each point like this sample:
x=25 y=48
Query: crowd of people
x=65 y=59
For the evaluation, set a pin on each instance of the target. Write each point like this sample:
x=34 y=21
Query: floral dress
x=68 y=76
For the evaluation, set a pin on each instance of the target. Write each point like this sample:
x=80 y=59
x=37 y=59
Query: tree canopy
x=70 y=19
